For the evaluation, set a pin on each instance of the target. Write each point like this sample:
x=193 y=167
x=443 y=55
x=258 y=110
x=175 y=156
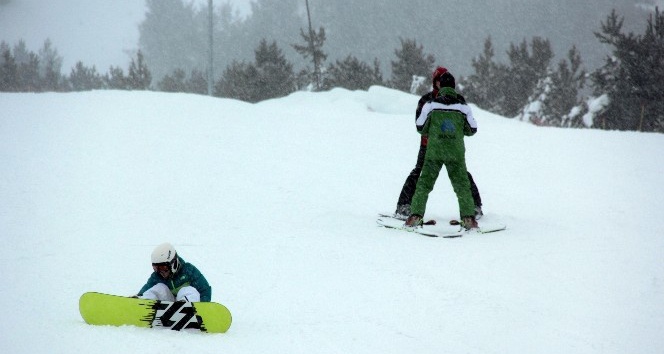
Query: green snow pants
x=456 y=171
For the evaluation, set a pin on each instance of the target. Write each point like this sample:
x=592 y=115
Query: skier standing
x=406 y=196
x=445 y=120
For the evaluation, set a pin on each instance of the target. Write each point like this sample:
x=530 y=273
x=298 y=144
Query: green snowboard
x=104 y=309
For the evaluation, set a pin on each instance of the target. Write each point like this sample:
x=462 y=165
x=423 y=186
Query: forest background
x=573 y=64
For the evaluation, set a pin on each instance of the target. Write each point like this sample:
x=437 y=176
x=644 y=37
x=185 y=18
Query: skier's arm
x=424 y=99
x=470 y=126
x=201 y=284
x=422 y=119
x=150 y=283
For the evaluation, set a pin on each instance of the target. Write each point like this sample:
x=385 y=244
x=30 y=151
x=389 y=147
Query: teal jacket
x=446 y=120
x=187 y=275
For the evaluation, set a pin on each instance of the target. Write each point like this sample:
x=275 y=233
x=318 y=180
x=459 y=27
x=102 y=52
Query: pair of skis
x=430 y=229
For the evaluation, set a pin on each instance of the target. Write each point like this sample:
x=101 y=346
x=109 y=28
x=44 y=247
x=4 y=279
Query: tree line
x=624 y=94
x=22 y=70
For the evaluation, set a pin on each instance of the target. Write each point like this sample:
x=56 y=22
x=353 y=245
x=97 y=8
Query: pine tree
x=19 y=69
x=28 y=73
x=569 y=80
x=139 y=77
x=313 y=49
x=411 y=62
x=275 y=73
x=50 y=66
x=83 y=78
x=556 y=95
x=21 y=52
x=236 y=82
x=174 y=82
x=115 y=79
x=173 y=35
x=8 y=72
x=483 y=87
x=352 y=74
x=270 y=76
x=197 y=82
x=525 y=70
x=633 y=78
x=377 y=74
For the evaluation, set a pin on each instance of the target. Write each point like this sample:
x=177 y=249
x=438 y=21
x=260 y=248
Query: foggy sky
x=96 y=32
x=105 y=33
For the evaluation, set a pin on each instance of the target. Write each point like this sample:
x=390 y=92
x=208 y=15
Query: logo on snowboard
x=176 y=316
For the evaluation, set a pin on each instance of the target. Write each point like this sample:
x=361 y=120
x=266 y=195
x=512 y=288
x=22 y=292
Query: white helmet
x=165 y=254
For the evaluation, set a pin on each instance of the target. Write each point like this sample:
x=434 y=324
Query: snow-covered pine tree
x=556 y=95
x=483 y=86
x=525 y=71
x=411 y=61
x=633 y=77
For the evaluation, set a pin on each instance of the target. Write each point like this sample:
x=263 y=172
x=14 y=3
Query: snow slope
x=276 y=202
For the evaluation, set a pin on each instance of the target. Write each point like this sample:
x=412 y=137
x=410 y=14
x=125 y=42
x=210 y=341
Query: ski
x=484 y=227
x=443 y=232
x=392 y=216
x=422 y=230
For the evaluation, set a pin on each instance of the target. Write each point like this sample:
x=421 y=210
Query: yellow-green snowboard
x=104 y=309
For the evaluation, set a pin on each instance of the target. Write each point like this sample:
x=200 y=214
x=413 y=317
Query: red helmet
x=439 y=71
x=435 y=76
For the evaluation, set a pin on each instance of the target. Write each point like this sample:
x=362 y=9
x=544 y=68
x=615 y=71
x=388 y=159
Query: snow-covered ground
x=276 y=203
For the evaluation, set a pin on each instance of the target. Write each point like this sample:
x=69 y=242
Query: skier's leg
x=406 y=195
x=188 y=293
x=474 y=191
x=476 y=197
x=458 y=175
x=425 y=183
x=158 y=292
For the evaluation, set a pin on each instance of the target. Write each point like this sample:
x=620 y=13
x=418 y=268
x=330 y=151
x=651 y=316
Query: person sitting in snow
x=445 y=120
x=173 y=279
x=406 y=196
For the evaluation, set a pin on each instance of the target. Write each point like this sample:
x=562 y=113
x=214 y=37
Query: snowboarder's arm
x=150 y=283
x=201 y=284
